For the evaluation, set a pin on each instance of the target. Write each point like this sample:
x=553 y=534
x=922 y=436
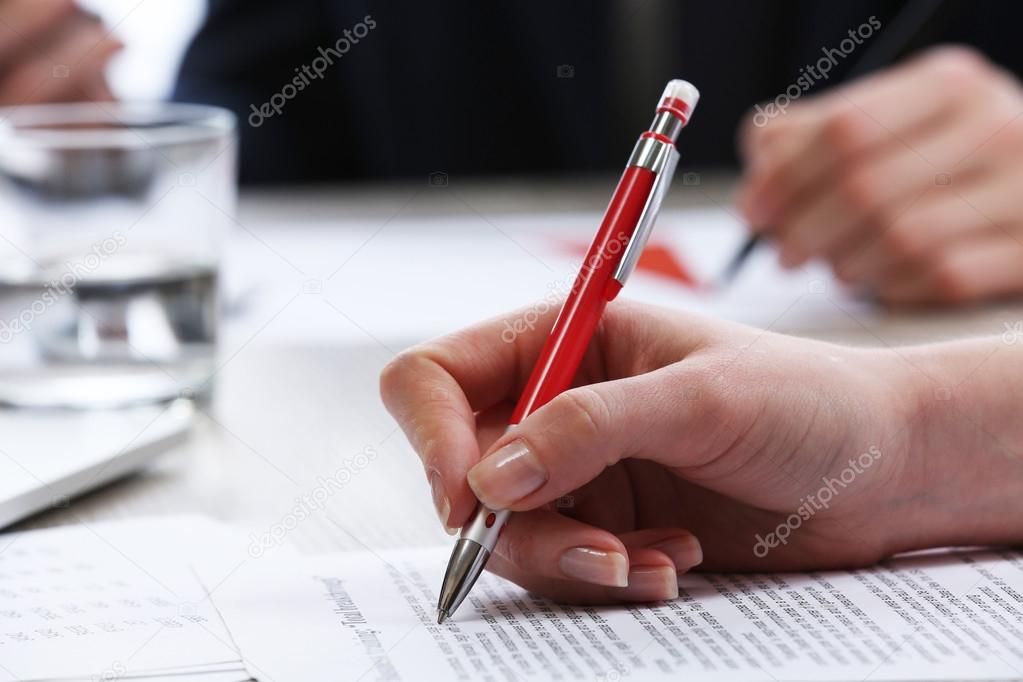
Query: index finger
x=434 y=391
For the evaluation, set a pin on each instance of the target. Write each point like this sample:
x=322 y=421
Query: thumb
x=569 y=441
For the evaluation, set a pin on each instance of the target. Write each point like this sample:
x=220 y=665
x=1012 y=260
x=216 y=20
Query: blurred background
x=155 y=35
x=250 y=206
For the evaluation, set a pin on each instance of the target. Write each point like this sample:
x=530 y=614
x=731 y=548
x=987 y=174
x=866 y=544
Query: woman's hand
x=906 y=181
x=51 y=51
x=688 y=441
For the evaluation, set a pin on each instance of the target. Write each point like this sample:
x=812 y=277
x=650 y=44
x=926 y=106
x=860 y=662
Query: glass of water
x=112 y=219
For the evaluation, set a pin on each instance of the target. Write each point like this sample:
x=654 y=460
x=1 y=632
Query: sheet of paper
x=955 y=616
x=112 y=600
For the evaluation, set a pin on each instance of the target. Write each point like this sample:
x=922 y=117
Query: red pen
x=609 y=261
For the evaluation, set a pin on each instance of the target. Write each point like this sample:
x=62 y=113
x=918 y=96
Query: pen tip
x=441 y=617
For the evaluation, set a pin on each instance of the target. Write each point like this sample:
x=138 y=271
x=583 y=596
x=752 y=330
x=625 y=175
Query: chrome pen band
x=667 y=124
x=485 y=526
x=661 y=158
x=652 y=154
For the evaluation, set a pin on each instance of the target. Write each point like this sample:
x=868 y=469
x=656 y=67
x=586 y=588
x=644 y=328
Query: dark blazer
x=513 y=86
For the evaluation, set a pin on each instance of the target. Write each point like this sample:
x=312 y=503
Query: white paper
x=112 y=600
x=311 y=282
x=371 y=617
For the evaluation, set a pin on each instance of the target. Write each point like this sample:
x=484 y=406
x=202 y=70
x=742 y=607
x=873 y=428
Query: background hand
x=906 y=181
x=51 y=51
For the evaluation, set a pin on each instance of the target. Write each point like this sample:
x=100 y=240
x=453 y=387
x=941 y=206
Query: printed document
x=104 y=601
x=935 y=616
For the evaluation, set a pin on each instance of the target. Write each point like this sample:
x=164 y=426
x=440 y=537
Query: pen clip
x=634 y=249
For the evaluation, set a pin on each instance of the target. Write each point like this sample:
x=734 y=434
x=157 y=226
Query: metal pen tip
x=466 y=563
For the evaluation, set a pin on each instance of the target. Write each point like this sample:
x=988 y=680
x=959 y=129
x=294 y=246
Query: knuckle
x=782 y=177
x=900 y=242
x=858 y=189
x=704 y=384
x=517 y=547
x=395 y=372
x=761 y=135
x=881 y=218
x=960 y=67
x=63 y=8
x=847 y=269
x=843 y=133
x=585 y=409
x=951 y=283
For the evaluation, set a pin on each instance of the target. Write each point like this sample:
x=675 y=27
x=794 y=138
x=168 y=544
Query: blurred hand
x=907 y=181
x=51 y=51
x=692 y=441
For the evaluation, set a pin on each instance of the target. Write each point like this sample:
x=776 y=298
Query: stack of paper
x=111 y=601
x=950 y=616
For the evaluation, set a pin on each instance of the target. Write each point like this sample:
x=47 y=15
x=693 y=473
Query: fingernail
x=649 y=583
x=441 y=502
x=595 y=566
x=685 y=551
x=508 y=475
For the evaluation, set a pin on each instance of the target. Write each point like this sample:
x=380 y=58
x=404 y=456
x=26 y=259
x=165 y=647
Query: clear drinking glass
x=112 y=219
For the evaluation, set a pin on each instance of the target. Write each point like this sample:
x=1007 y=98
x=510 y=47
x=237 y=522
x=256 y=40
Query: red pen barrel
x=594 y=286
